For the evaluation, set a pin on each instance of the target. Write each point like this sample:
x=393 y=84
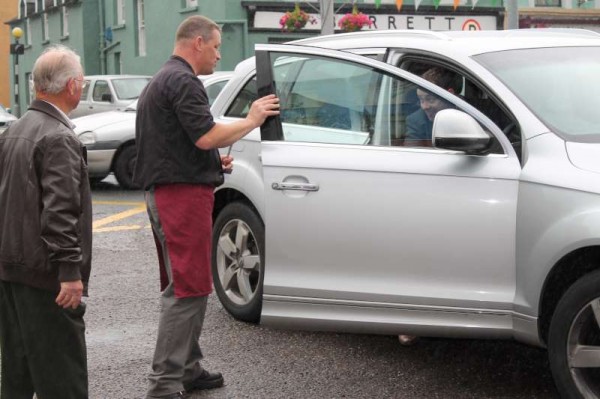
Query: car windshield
x=130 y=88
x=561 y=85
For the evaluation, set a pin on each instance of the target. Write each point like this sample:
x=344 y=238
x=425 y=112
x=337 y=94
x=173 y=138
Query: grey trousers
x=177 y=355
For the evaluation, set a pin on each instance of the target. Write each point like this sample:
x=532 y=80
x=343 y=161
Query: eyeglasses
x=84 y=82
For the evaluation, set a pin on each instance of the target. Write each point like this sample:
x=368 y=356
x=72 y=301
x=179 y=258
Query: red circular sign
x=471 y=24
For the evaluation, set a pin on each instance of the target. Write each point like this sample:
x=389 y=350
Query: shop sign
x=436 y=22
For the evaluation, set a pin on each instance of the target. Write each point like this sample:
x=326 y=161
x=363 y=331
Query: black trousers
x=42 y=346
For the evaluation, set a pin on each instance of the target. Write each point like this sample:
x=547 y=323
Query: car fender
x=546 y=234
x=246 y=177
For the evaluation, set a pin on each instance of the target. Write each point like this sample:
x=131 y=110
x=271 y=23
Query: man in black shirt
x=178 y=165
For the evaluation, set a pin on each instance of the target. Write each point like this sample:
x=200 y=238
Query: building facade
x=136 y=36
x=8 y=9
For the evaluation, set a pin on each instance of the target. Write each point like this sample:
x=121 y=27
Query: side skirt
x=392 y=319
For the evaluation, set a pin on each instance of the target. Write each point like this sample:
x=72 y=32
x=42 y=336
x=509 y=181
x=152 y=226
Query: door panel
x=378 y=219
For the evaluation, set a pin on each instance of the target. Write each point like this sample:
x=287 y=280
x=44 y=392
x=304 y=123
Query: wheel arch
x=225 y=196
x=123 y=145
x=570 y=268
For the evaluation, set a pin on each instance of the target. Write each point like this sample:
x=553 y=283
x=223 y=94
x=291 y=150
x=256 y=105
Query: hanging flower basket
x=295 y=20
x=354 y=21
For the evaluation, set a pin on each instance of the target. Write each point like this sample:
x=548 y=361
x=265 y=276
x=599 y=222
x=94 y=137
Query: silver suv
x=486 y=224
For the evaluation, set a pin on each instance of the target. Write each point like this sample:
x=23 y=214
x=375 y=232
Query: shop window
x=548 y=3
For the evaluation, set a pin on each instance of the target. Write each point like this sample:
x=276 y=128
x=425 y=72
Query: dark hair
x=444 y=78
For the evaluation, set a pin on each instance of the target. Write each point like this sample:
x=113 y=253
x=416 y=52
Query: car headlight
x=87 y=138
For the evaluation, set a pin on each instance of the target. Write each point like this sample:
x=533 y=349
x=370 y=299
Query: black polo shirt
x=172 y=114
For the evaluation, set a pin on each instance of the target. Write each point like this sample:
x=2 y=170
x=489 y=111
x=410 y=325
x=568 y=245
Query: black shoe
x=176 y=395
x=207 y=380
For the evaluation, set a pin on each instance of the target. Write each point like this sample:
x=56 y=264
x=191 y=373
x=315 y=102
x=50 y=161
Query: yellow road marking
x=119 y=216
x=121 y=228
x=117 y=228
x=134 y=203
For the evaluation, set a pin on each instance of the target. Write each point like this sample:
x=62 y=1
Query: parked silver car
x=6 y=119
x=103 y=93
x=110 y=136
x=335 y=219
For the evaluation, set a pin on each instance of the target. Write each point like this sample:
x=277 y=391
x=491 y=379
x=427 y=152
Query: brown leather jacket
x=45 y=202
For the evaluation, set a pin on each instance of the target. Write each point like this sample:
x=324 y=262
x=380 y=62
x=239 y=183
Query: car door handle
x=295 y=186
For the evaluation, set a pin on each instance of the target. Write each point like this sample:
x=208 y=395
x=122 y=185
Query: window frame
x=45 y=28
x=64 y=21
x=119 y=12
x=399 y=56
x=141 y=28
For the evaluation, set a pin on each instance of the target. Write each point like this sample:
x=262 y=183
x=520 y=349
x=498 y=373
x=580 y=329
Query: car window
x=129 y=88
x=101 y=89
x=472 y=92
x=85 y=90
x=214 y=89
x=241 y=104
x=324 y=100
x=560 y=85
x=328 y=100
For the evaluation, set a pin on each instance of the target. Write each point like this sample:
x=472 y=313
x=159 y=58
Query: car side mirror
x=106 y=97
x=459 y=131
x=8 y=110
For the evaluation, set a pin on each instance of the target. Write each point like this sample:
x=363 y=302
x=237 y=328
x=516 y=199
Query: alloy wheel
x=238 y=262
x=583 y=348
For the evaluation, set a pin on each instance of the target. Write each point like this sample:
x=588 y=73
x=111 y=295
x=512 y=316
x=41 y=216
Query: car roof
x=452 y=44
x=217 y=75
x=466 y=43
x=109 y=77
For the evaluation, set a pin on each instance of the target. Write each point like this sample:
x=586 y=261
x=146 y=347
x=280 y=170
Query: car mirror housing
x=107 y=97
x=459 y=131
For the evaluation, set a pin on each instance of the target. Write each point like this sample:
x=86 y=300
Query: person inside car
x=419 y=124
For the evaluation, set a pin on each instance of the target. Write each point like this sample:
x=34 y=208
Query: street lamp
x=16 y=48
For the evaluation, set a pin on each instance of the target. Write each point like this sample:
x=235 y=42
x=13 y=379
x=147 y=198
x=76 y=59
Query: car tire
x=575 y=330
x=123 y=168
x=238 y=247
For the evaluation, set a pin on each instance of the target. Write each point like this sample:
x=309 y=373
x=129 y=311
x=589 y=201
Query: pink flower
x=354 y=21
x=295 y=20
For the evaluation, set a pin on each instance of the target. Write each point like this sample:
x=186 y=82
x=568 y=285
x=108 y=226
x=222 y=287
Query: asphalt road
x=259 y=362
